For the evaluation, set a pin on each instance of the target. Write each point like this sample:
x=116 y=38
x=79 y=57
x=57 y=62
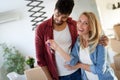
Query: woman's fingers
x=51 y=43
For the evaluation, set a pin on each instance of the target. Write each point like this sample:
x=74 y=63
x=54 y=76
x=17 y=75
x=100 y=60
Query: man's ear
x=54 y=9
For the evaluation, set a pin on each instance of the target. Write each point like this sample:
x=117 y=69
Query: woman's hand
x=72 y=67
x=52 y=44
x=104 y=40
x=79 y=65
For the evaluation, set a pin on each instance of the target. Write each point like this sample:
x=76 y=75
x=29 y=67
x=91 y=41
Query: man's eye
x=56 y=15
x=79 y=21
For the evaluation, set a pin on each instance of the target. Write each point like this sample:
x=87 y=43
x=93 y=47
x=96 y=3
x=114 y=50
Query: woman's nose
x=79 y=24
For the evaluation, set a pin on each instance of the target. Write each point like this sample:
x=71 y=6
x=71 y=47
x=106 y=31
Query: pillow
x=117 y=31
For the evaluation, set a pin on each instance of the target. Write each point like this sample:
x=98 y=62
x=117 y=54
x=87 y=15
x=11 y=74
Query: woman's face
x=83 y=27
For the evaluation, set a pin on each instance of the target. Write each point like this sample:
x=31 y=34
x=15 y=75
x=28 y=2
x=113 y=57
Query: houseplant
x=13 y=59
x=30 y=61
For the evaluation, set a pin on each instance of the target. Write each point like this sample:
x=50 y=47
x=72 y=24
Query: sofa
x=115 y=45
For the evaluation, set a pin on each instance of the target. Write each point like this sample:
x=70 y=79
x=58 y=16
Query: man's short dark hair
x=64 y=6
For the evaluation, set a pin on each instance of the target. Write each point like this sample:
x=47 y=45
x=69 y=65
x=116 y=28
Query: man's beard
x=58 y=23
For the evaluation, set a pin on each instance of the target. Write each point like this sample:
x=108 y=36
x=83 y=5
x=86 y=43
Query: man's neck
x=60 y=27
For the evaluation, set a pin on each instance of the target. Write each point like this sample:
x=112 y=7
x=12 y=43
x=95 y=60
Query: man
x=62 y=29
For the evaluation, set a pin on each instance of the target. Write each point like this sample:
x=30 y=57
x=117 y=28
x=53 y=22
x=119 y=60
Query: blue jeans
x=74 y=76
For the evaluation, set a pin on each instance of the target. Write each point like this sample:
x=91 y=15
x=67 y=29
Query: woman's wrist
x=80 y=65
x=57 y=48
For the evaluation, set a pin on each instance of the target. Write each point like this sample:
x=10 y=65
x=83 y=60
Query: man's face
x=59 y=18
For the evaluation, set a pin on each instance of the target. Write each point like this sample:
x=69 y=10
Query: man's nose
x=60 y=18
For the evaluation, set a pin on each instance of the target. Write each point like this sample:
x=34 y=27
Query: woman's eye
x=86 y=23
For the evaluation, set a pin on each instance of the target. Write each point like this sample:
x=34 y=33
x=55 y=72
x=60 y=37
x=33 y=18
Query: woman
x=92 y=56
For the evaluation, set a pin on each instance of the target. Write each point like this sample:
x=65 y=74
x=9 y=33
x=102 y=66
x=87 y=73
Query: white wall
x=6 y=5
x=19 y=33
x=108 y=16
x=84 y=5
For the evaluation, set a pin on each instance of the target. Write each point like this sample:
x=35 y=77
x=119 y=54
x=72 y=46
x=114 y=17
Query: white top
x=63 y=39
x=84 y=55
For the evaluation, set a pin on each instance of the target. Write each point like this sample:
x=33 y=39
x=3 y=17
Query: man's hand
x=104 y=40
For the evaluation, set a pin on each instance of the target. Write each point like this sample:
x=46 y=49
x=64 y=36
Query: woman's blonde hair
x=94 y=33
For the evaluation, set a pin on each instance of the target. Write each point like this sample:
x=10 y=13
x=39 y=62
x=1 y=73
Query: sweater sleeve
x=39 y=45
